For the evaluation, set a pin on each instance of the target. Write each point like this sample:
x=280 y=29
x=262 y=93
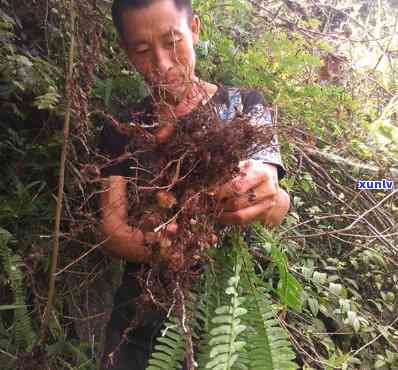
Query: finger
x=252 y=197
x=164 y=133
x=246 y=215
x=246 y=180
x=275 y=215
x=171 y=229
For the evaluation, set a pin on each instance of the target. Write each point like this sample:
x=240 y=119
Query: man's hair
x=119 y=6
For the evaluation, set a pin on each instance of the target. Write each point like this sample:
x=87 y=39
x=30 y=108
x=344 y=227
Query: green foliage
x=343 y=291
x=169 y=350
x=24 y=335
x=269 y=346
x=279 y=64
x=227 y=327
x=289 y=289
x=67 y=350
x=47 y=101
x=27 y=173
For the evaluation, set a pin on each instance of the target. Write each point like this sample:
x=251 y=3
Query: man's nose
x=162 y=61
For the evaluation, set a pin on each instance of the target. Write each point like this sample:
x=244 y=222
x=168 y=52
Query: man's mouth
x=168 y=85
x=169 y=82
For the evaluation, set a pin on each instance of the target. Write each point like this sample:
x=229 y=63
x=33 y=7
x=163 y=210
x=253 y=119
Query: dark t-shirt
x=227 y=101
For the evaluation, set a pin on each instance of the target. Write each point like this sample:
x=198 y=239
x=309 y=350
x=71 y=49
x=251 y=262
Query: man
x=159 y=38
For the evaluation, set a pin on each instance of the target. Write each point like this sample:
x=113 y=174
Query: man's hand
x=254 y=195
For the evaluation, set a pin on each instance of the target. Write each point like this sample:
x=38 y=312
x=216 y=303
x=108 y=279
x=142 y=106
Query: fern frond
x=268 y=344
x=224 y=337
x=24 y=334
x=170 y=348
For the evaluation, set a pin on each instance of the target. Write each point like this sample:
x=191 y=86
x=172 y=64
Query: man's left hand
x=254 y=195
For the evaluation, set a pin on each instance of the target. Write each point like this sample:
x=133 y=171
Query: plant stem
x=61 y=181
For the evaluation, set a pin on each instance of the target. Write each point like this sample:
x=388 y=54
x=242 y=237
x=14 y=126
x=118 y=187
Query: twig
x=92 y=249
x=373 y=340
x=347 y=163
x=163 y=225
x=8 y=354
x=61 y=181
x=349 y=227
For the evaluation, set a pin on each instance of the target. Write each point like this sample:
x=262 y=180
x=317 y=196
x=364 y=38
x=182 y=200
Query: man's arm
x=122 y=240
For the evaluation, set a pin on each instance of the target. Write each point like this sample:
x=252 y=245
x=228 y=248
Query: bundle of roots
x=176 y=171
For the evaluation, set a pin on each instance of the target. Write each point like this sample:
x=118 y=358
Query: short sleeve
x=255 y=106
x=112 y=145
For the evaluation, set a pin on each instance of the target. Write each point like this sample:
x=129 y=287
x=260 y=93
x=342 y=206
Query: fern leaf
x=24 y=334
x=227 y=328
x=170 y=348
x=289 y=289
x=268 y=344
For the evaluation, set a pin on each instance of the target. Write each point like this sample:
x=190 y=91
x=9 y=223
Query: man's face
x=159 y=41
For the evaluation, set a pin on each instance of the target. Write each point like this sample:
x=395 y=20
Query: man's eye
x=141 y=51
x=175 y=41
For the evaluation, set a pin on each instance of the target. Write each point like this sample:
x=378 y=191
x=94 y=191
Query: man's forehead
x=143 y=37
x=158 y=20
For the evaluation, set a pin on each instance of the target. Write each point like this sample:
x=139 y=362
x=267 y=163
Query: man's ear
x=195 y=28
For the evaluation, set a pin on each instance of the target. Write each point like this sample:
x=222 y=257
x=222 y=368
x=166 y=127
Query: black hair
x=119 y=6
